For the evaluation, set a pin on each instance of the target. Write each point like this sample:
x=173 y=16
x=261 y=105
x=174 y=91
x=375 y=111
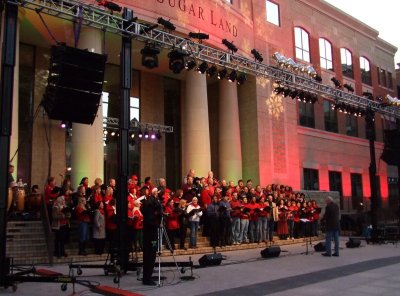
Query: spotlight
x=318 y=78
x=167 y=24
x=63 y=124
x=140 y=134
x=336 y=82
x=280 y=59
x=110 y=5
x=202 y=68
x=348 y=87
x=232 y=76
x=290 y=63
x=176 y=60
x=294 y=93
x=301 y=96
x=241 y=79
x=368 y=95
x=311 y=71
x=105 y=132
x=146 y=134
x=189 y=65
x=222 y=73
x=313 y=99
x=286 y=91
x=149 y=56
x=257 y=56
x=113 y=134
x=153 y=136
x=158 y=135
x=199 y=36
x=279 y=90
x=230 y=45
x=211 y=71
x=132 y=135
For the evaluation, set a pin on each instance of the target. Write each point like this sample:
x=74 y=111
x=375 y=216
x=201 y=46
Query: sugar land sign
x=204 y=14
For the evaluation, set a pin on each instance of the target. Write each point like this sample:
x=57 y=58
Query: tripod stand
x=307 y=234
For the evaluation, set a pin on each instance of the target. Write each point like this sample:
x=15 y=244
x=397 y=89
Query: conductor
x=152 y=212
x=331 y=218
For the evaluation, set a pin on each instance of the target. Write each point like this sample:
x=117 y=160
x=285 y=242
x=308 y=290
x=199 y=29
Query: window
x=365 y=71
x=330 y=117
x=325 y=53
x=382 y=77
x=302 y=45
x=351 y=125
x=346 y=61
x=311 y=180
x=356 y=191
x=389 y=80
x=306 y=114
x=272 y=12
x=335 y=184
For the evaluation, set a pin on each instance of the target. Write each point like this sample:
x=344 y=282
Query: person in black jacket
x=152 y=211
x=332 y=223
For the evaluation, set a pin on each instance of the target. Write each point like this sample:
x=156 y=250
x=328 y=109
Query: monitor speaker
x=271 y=252
x=210 y=260
x=353 y=243
x=74 y=85
x=320 y=247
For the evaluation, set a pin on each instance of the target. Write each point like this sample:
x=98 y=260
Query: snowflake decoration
x=275 y=105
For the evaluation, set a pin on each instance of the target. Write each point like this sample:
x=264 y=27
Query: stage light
x=314 y=99
x=199 y=36
x=167 y=24
x=63 y=124
x=311 y=71
x=158 y=135
x=241 y=79
x=232 y=76
x=294 y=93
x=222 y=73
x=189 y=65
x=132 y=135
x=150 y=56
x=279 y=90
x=176 y=60
x=368 y=95
x=336 y=82
x=318 y=78
x=301 y=96
x=348 y=87
x=113 y=134
x=211 y=71
x=286 y=91
x=146 y=134
x=290 y=63
x=153 y=136
x=110 y=5
x=280 y=59
x=257 y=56
x=140 y=134
x=202 y=68
x=229 y=45
x=105 y=132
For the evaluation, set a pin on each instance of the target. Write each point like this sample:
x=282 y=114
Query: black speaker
x=390 y=153
x=210 y=260
x=320 y=247
x=271 y=252
x=74 y=85
x=353 y=243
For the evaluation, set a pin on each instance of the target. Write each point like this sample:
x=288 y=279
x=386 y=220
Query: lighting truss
x=113 y=123
x=103 y=19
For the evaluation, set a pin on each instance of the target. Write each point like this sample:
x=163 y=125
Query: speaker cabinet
x=353 y=243
x=320 y=247
x=74 y=85
x=210 y=260
x=271 y=252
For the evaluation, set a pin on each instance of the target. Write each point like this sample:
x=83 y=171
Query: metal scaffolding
x=113 y=123
x=99 y=17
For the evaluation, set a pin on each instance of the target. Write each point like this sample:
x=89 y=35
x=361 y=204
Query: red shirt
x=48 y=196
x=172 y=221
x=137 y=220
x=206 y=197
x=245 y=215
x=235 y=205
x=263 y=213
x=110 y=218
x=82 y=215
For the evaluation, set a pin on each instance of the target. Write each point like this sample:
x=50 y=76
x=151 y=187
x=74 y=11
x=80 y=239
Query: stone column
x=230 y=151
x=87 y=156
x=15 y=107
x=196 y=152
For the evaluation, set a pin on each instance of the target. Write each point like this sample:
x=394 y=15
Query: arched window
x=302 y=44
x=325 y=54
x=347 y=63
x=365 y=71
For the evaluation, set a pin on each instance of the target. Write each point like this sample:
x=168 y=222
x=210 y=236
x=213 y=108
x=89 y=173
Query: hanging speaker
x=271 y=252
x=210 y=260
x=74 y=85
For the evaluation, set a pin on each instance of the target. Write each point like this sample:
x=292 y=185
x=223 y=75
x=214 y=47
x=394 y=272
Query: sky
x=381 y=15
